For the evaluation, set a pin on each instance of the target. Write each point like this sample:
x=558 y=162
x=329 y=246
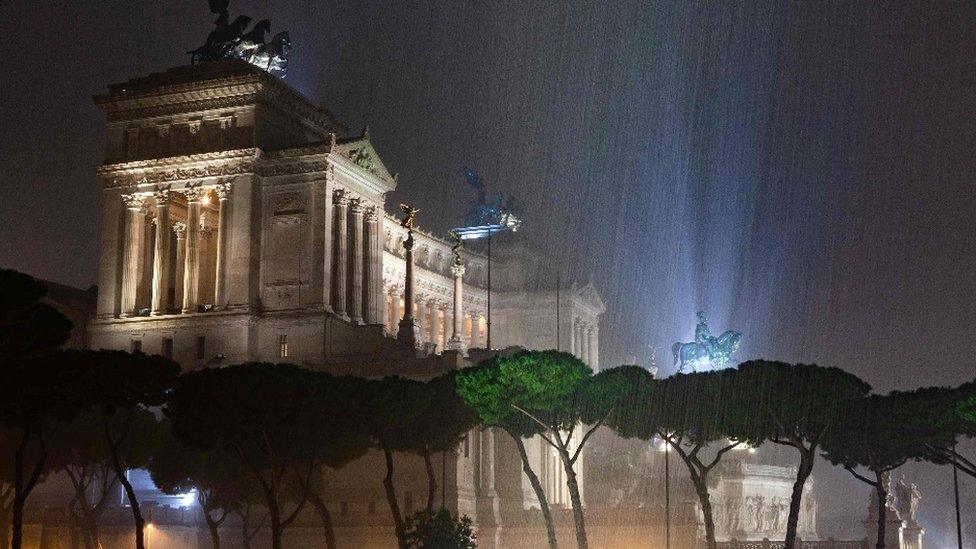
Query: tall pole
x=667 y=496
x=955 y=486
x=558 y=347
x=488 y=320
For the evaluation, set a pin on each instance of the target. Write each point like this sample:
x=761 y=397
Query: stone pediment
x=589 y=295
x=361 y=152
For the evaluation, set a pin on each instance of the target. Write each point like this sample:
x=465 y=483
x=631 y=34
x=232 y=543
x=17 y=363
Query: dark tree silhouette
x=880 y=434
x=35 y=389
x=334 y=438
x=222 y=485
x=440 y=426
x=693 y=412
x=795 y=405
x=261 y=414
x=117 y=384
x=78 y=449
x=950 y=414
x=389 y=409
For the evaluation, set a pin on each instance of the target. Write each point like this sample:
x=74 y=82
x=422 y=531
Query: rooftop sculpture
x=232 y=40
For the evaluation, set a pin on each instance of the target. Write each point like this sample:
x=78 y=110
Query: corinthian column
x=356 y=285
x=395 y=311
x=180 y=229
x=421 y=317
x=584 y=343
x=456 y=343
x=373 y=290
x=475 y=331
x=191 y=272
x=341 y=201
x=223 y=216
x=594 y=348
x=161 y=262
x=132 y=252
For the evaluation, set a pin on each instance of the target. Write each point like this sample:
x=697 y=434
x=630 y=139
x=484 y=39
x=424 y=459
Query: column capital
x=161 y=197
x=457 y=270
x=180 y=229
x=370 y=214
x=194 y=194
x=223 y=190
x=340 y=197
x=356 y=206
x=134 y=201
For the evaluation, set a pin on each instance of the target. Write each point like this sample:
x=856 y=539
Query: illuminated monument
x=707 y=352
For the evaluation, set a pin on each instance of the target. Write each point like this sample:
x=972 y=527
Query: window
x=201 y=347
x=168 y=347
x=282 y=346
x=343 y=508
x=372 y=508
x=136 y=345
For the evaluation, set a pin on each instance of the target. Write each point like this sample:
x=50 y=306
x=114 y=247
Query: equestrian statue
x=706 y=352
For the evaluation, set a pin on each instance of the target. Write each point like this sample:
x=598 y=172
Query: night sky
x=803 y=172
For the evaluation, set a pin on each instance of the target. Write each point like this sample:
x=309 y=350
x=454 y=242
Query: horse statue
x=273 y=56
x=232 y=40
x=706 y=352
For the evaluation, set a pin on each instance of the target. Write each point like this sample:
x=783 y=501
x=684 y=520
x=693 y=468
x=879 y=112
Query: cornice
x=179 y=168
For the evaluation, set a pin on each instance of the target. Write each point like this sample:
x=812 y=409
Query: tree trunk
x=431 y=481
x=574 y=496
x=323 y=511
x=4 y=531
x=537 y=487
x=701 y=488
x=212 y=525
x=275 y=515
x=6 y=502
x=245 y=535
x=882 y=499
x=391 y=498
x=802 y=473
x=22 y=490
x=130 y=494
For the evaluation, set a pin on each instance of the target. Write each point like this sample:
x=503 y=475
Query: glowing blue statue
x=706 y=352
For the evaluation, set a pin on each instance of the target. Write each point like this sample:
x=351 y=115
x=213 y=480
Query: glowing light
x=206 y=200
x=188 y=499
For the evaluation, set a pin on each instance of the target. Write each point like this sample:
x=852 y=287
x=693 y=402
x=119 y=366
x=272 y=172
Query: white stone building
x=239 y=223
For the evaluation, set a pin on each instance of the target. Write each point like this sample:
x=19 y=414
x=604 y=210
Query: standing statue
x=706 y=352
x=409 y=216
x=456 y=247
x=231 y=40
x=906 y=500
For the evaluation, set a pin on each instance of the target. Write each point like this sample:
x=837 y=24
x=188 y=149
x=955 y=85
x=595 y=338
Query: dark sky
x=803 y=172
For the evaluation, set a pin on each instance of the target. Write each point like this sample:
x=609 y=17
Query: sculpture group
x=707 y=351
x=232 y=40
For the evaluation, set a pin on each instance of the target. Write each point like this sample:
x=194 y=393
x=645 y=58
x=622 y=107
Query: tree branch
x=860 y=477
x=593 y=429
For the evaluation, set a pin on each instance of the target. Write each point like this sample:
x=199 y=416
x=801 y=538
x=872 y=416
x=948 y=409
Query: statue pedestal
x=911 y=536
x=894 y=530
x=407 y=337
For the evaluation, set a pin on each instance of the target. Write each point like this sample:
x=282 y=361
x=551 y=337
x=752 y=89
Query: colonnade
x=147 y=275
x=584 y=342
x=434 y=318
x=355 y=262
